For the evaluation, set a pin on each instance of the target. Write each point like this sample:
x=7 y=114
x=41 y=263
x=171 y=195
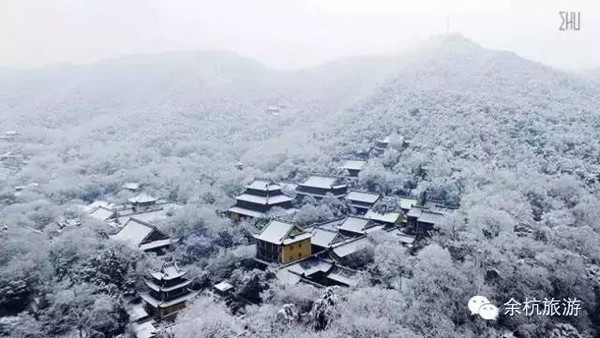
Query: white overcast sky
x=288 y=33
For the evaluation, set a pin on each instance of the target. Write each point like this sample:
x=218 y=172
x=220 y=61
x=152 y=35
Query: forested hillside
x=514 y=143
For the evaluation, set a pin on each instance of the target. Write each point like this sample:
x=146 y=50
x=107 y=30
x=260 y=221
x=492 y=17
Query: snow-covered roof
x=310 y=266
x=224 y=286
x=364 y=197
x=137 y=312
x=401 y=236
x=159 y=288
x=96 y=204
x=407 y=203
x=168 y=271
x=314 y=270
x=102 y=214
x=157 y=244
x=354 y=165
x=141 y=199
x=133 y=233
x=355 y=224
x=144 y=330
x=278 y=232
x=347 y=248
x=165 y=304
x=136 y=234
x=131 y=186
x=322 y=237
x=384 y=140
x=245 y=212
x=287 y=277
x=414 y=212
x=342 y=278
x=407 y=239
x=155 y=215
x=390 y=217
x=263 y=185
x=264 y=200
x=331 y=225
x=430 y=217
x=320 y=182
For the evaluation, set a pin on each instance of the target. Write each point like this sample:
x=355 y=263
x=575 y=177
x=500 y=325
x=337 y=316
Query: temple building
x=324 y=238
x=223 y=289
x=132 y=187
x=168 y=291
x=282 y=243
x=317 y=272
x=143 y=236
x=362 y=201
x=258 y=199
x=380 y=146
x=407 y=203
x=353 y=167
x=354 y=226
x=142 y=202
x=389 y=219
x=103 y=214
x=319 y=186
x=420 y=220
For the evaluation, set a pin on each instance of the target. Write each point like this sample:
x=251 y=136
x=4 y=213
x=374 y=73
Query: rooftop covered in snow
x=354 y=165
x=281 y=233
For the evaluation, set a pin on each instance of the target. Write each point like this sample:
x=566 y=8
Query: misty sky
x=285 y=33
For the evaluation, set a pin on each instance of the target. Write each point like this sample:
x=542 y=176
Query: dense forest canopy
x=513 y=142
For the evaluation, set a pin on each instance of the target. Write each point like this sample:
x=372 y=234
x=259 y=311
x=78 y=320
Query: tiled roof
x=390 y=217
x=322 y=237
x=264 y=200
x=142 y=198
x=278 y=232
x=133 y=233
x=245 y=212
x=354 y=165
x=320 y=182
x=263 y=185
x=362 y=197
x=355 y=224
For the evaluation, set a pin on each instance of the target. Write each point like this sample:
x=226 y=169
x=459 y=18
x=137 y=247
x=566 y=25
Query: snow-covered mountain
x=515 y=142
x=475 y=108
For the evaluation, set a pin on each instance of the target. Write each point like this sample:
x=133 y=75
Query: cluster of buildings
x=321 y=254
x=167 y=293
x=167 y=290
x=260 y=198
x=136 y=220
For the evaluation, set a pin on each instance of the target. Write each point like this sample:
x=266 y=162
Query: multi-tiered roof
x=319 y=186
x=168 y=291
x=259 y=198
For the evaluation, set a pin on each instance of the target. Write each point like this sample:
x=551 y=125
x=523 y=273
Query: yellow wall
x=296 y=251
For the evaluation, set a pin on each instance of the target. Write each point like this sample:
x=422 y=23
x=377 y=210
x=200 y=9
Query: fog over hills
x=183 y=81
x=514 y=142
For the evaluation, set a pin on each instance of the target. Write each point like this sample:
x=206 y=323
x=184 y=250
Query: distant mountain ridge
x=474 y=110
x=351 y=93
x=193 y=81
